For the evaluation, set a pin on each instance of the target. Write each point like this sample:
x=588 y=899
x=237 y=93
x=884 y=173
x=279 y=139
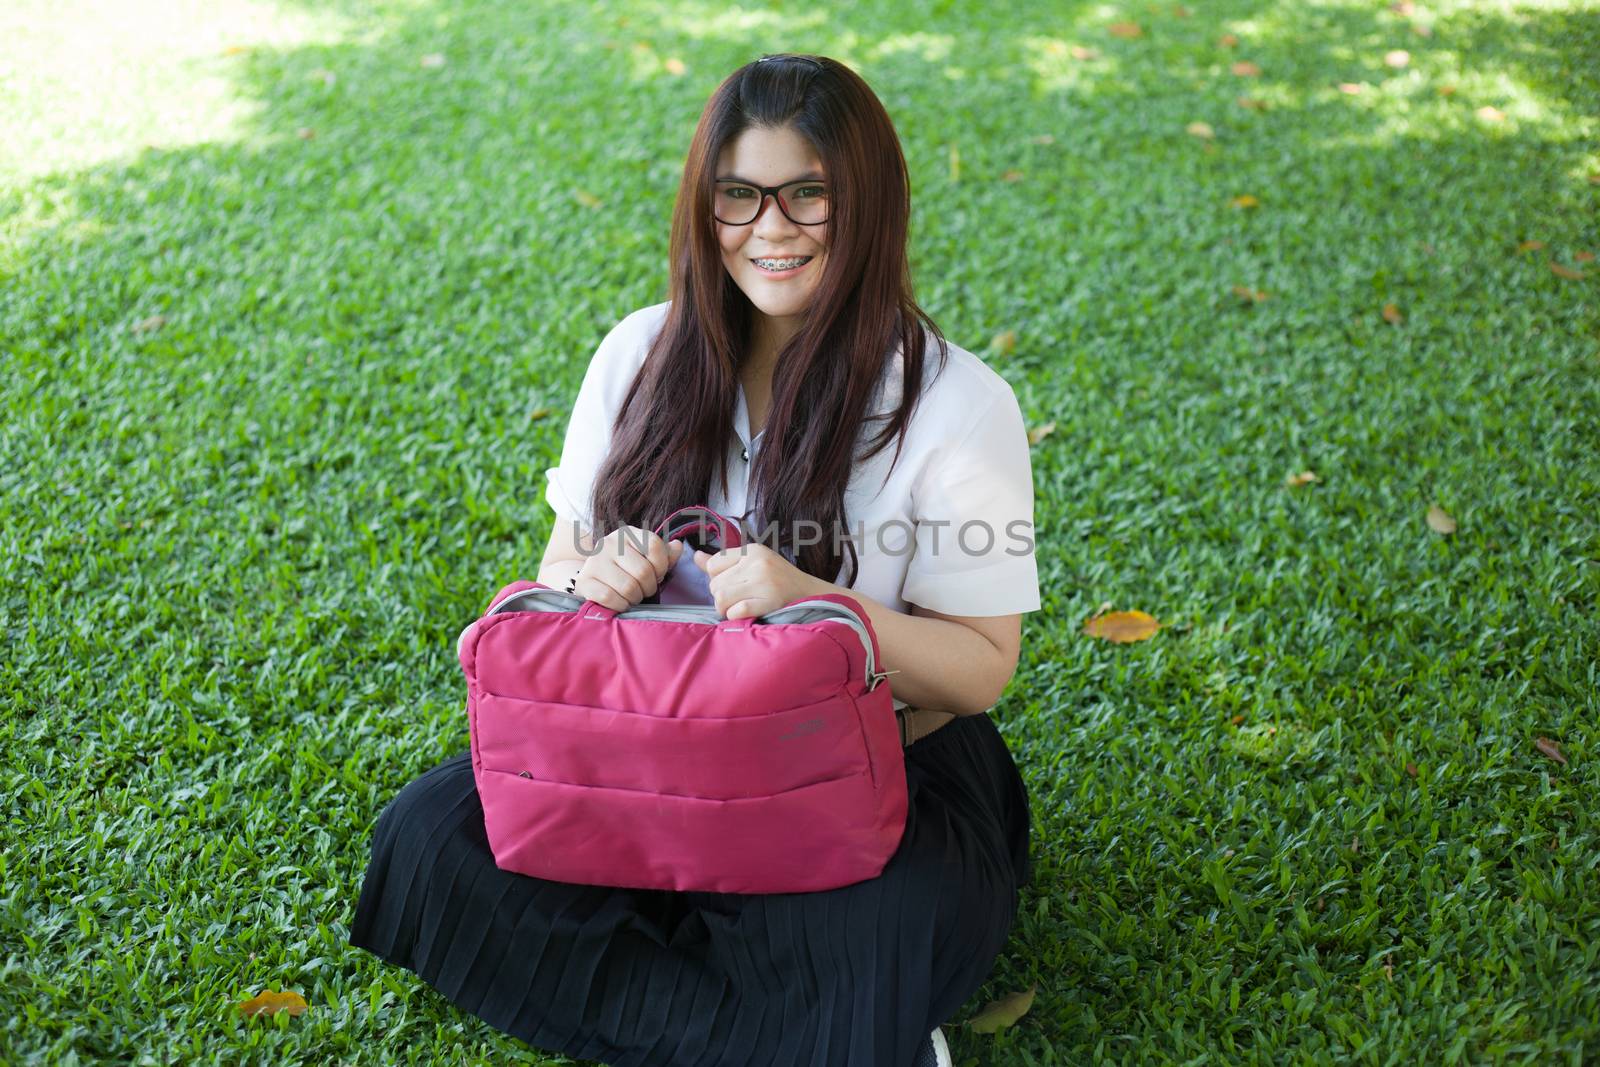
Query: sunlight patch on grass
x=105 y=79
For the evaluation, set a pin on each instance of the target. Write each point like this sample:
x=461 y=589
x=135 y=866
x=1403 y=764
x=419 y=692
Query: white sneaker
x=935 y=1052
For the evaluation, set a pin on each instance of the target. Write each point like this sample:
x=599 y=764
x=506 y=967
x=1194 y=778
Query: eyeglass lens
x=804 y=202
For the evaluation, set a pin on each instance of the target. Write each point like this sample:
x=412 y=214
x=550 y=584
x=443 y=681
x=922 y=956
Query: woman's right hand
x=630 y=565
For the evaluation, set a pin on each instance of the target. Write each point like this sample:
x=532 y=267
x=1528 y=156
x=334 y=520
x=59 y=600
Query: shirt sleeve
x=972 y=552
x=569 y=486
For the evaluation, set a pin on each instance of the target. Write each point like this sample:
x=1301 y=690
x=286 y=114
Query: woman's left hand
x=752 y=579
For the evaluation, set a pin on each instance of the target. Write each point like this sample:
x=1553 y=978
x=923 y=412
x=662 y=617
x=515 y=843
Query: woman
x=790 y=324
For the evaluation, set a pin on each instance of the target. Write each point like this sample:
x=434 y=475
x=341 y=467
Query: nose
x=771 y=199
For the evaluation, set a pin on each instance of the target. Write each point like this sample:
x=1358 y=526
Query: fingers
x=625 y=575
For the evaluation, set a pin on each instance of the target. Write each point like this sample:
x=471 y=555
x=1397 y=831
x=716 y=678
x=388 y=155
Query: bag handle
x=697 y=518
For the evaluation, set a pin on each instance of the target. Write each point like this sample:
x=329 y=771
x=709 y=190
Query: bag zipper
x=798 y=612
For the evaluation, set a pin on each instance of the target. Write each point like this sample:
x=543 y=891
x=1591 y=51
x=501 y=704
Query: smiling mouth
x=790 y=264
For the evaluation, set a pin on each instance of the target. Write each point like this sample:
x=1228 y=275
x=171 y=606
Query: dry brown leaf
x=1583 y=257
x=268 y=1002
x=154 y=322
x=538 y=413
x=1181 y=12
x=1392 y=315
x=1447 y=90
x=1440 y=520
x=1491 y=114
x=1237 y=720
x=1245 y=69
x=1125 y=30
x=1411 y=769
x=999 y=1014
x=432 y=59
x=1551 y=749
x=1245 y=201
x=1303 y=478
x=1251 y=103
x=1249 y=295
x=1388 y=970
x=1080 y=52
x=674 y=66
x=1351 y=88
x=1594 y=179
x=1039 y=433
x=305 y=133
x=1228 y=40
x=1561 y=270
x=1529 y=246
x=1004 y=342
x=1200 y=129
x=1122 y=627
x=1011 y=176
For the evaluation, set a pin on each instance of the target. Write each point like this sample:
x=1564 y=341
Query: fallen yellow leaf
x=1392 y=315
x=1303 y=478
x=1491 y=114
x=1551 y=749
x=1351 y=88
x=1245 y=201
x=1447 y=90
x=586 y=198
x=674 y=66
x=999 y=1014
x=1122 y=627
x=268 y=1002
x=1039 y=433
x=1004 y=342
x=1200 y=129
x=1126 y=30
x=1439 y=520
x=1245 y=293
x=1079 y=52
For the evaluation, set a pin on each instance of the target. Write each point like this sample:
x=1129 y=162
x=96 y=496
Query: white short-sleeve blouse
x=951 y=528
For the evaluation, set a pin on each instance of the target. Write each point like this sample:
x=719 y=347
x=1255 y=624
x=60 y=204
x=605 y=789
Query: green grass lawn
x=282 y=286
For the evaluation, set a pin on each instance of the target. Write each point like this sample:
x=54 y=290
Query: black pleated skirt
x=849 y=977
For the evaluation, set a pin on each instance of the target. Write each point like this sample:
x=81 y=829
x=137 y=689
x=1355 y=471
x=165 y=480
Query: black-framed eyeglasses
x=737 y=203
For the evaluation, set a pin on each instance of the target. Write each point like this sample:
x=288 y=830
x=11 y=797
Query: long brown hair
x=672 y=433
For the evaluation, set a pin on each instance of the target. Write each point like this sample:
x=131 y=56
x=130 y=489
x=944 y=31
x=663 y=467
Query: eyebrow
x=811 y=177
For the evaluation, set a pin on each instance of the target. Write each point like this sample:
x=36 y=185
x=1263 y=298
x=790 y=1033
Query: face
x=772 y=157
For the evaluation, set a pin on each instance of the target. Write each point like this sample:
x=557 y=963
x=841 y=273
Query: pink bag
x=666 y=747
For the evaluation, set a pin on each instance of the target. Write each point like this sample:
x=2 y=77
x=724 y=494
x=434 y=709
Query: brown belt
x=917 y=723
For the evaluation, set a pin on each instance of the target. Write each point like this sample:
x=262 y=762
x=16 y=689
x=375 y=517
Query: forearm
x=940 y=665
